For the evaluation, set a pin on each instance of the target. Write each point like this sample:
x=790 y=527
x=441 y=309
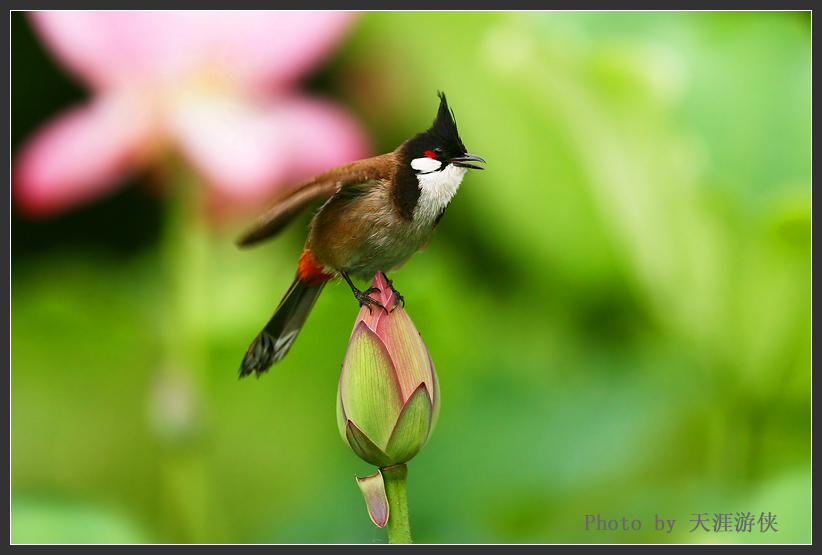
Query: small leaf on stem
x=373 y=489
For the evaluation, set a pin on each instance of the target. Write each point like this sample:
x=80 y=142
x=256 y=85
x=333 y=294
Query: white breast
x=437 y=188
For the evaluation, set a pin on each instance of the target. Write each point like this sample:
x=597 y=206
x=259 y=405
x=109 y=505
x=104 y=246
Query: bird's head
x=440 y=146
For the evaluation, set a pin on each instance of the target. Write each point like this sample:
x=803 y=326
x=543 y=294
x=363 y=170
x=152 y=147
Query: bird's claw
x=398 y=298
x=365 y=299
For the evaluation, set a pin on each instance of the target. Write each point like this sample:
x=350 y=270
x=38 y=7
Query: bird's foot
x=398 y=298
x=364 y=297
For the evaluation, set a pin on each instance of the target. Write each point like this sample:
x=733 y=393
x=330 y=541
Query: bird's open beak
x=464 y=160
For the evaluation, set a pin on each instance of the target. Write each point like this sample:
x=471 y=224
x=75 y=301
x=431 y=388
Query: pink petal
x=112 y=47
x=262 y=50
x=249 y=150
x=90 y=45
x=74 y=40
x=80 y=155
x=322 y=136
x=273 y=49
x=238 y=147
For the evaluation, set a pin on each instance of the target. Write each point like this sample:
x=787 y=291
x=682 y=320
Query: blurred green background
x=619 y=307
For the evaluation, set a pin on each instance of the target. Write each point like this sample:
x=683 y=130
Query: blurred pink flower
x=220 y=88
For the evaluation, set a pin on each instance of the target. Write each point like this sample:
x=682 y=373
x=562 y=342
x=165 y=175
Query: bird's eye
x=435 y=154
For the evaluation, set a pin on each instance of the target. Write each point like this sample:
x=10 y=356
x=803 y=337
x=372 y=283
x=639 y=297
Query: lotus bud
x=388 y=397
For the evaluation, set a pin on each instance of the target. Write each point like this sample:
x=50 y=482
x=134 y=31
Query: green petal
x=342 y=419
x=435 y=398
x=364 y=447
x=369 y=391
x=373 y=489
x=413 y=427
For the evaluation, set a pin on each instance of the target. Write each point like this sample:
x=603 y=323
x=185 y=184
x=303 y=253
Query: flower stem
x=181 y=381
x=399 y=528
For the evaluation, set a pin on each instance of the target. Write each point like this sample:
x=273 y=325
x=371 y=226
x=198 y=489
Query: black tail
x=279 y=333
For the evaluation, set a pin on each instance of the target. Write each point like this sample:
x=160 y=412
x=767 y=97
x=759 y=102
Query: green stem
x=184 y=472
x=399 y=528
x=185 y=256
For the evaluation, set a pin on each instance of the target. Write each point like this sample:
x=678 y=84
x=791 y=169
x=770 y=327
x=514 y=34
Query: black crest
x=442 y=133
x=444 y=128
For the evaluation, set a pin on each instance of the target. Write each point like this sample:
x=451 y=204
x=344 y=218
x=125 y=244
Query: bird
x=376 y=214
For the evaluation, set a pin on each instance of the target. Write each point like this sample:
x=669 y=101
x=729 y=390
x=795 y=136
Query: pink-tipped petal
x=81 y=154
x=399 y=335
x=385 y=296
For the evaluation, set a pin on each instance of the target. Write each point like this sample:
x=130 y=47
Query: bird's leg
x=364 y=297
x=397 y=297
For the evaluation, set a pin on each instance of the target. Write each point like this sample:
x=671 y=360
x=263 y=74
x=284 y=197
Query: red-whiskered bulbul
x=381 y=210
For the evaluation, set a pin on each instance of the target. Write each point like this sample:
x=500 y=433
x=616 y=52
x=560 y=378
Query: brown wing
x=319 y=188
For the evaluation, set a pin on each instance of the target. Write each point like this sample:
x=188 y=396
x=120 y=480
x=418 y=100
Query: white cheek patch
x=425 y=164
